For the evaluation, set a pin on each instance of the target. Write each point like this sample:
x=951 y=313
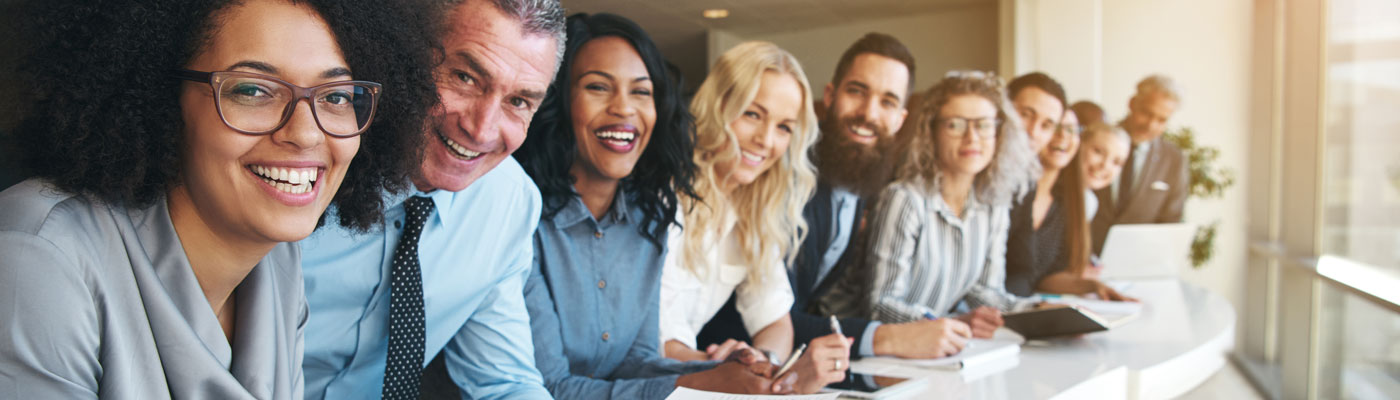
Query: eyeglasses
x=257 y=104
x=1069 y=129
x=986 y=128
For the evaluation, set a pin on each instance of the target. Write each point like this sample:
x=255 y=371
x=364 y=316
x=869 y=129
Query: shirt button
x=598 y=234
x=602 y=284
x=605 y=336
x=398 y=224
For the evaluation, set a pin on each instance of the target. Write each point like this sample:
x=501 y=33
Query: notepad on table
x=977 y=353
x=685 y=393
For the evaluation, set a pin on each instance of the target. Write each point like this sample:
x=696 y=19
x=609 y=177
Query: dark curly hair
x=665 y=167
x=95 y=111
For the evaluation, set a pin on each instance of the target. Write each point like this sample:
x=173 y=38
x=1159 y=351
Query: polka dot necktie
x=404 y=367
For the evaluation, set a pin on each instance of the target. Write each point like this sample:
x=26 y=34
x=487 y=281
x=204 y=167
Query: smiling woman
x=158 y=219
x=755 y=125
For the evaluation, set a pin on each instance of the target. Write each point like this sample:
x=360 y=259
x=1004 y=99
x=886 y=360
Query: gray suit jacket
x=1157 y=197
x=100 y=302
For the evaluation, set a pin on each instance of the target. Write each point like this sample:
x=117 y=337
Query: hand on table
x=922 y=339
x=735 y=377
x=983 y=320
x=1105 y=292
x=722 y=351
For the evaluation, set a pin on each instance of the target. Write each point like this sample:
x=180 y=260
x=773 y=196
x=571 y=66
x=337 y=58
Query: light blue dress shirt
x=594 y=299
x=475 y=253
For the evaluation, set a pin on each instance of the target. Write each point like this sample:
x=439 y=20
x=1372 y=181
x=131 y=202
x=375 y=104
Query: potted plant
x=1207 y=182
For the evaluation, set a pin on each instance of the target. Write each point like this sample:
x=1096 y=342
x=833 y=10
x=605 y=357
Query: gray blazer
x=100 y=302
x=1158 y=196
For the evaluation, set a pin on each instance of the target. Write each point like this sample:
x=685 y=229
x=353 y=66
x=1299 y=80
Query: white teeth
x=290 y=180
x=462 y=152
x=753 y=157
x=626 y=136
x=863 y=131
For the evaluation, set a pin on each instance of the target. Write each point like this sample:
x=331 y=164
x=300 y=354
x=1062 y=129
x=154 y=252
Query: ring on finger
x=838 y=364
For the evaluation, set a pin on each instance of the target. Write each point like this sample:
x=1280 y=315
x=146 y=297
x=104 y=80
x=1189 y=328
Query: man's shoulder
x=508 y=178
x=1168 y=149
x=504 y=195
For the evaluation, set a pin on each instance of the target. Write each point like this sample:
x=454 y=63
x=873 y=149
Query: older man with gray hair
x=444 y=275
x=1155 y=180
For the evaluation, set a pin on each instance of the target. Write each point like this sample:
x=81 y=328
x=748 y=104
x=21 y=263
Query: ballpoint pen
x=792 y=359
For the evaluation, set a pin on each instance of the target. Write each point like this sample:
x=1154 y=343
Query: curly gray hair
x=1014 y=166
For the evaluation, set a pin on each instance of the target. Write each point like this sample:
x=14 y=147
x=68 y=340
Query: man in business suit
x=1153 y=186
x=864 y=105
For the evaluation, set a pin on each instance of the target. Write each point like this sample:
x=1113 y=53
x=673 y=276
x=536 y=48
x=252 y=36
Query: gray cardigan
x=99 y=301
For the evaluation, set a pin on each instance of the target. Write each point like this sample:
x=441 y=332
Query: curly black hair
x=95 y=111
x=665 y=167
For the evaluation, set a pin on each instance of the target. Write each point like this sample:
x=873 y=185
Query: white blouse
x=689 y=300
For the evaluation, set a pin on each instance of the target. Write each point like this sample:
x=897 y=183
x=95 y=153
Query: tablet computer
x=1059 y=321
x=871 y=386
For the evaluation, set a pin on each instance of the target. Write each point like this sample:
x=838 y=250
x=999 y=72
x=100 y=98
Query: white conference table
x=1179 y=340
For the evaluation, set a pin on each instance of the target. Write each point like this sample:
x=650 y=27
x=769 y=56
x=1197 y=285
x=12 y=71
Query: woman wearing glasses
x=938 y=234
x=177 y=148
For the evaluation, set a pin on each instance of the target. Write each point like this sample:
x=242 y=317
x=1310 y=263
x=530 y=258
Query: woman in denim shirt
x=610 y=151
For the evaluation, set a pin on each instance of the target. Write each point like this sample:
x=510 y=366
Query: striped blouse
x=926 y=258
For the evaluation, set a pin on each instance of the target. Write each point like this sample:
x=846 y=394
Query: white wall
x=958 y=38
x=1205 y=45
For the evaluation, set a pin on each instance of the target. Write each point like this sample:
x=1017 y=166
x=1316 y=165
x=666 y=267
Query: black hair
x=878 y=44
x=96 y=112
x=1040 y=81
x=665 y=167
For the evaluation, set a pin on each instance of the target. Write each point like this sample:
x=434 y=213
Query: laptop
x=1145 y=251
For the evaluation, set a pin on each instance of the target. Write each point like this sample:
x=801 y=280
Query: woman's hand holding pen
x=826 y=360
x=925 y=338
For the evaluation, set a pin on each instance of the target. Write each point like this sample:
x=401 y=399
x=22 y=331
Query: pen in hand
x=836 y=327
x=792 y=360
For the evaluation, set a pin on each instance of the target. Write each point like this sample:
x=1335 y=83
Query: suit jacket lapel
x=1151 y=172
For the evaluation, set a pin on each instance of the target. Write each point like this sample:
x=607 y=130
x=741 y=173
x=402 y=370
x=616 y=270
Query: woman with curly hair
x=177 y=148
x=611 y=153
x=938 y=234
x=754 y=127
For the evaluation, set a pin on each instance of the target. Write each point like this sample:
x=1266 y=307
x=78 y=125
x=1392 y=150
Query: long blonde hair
x=769 y=224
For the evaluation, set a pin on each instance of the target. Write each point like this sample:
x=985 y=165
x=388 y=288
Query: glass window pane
x=1361 y=182
x=1360 y=348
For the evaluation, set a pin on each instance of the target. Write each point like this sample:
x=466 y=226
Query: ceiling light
x=716 y=13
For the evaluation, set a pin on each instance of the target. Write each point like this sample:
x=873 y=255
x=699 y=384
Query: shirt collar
x=442 y=201
x=940 y=205
x=1143 y=146
x=575 y=212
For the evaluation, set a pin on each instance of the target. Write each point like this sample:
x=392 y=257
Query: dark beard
x=862 y=169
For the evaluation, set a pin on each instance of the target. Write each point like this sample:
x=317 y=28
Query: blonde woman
x=754 y=126
x=938 y=234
